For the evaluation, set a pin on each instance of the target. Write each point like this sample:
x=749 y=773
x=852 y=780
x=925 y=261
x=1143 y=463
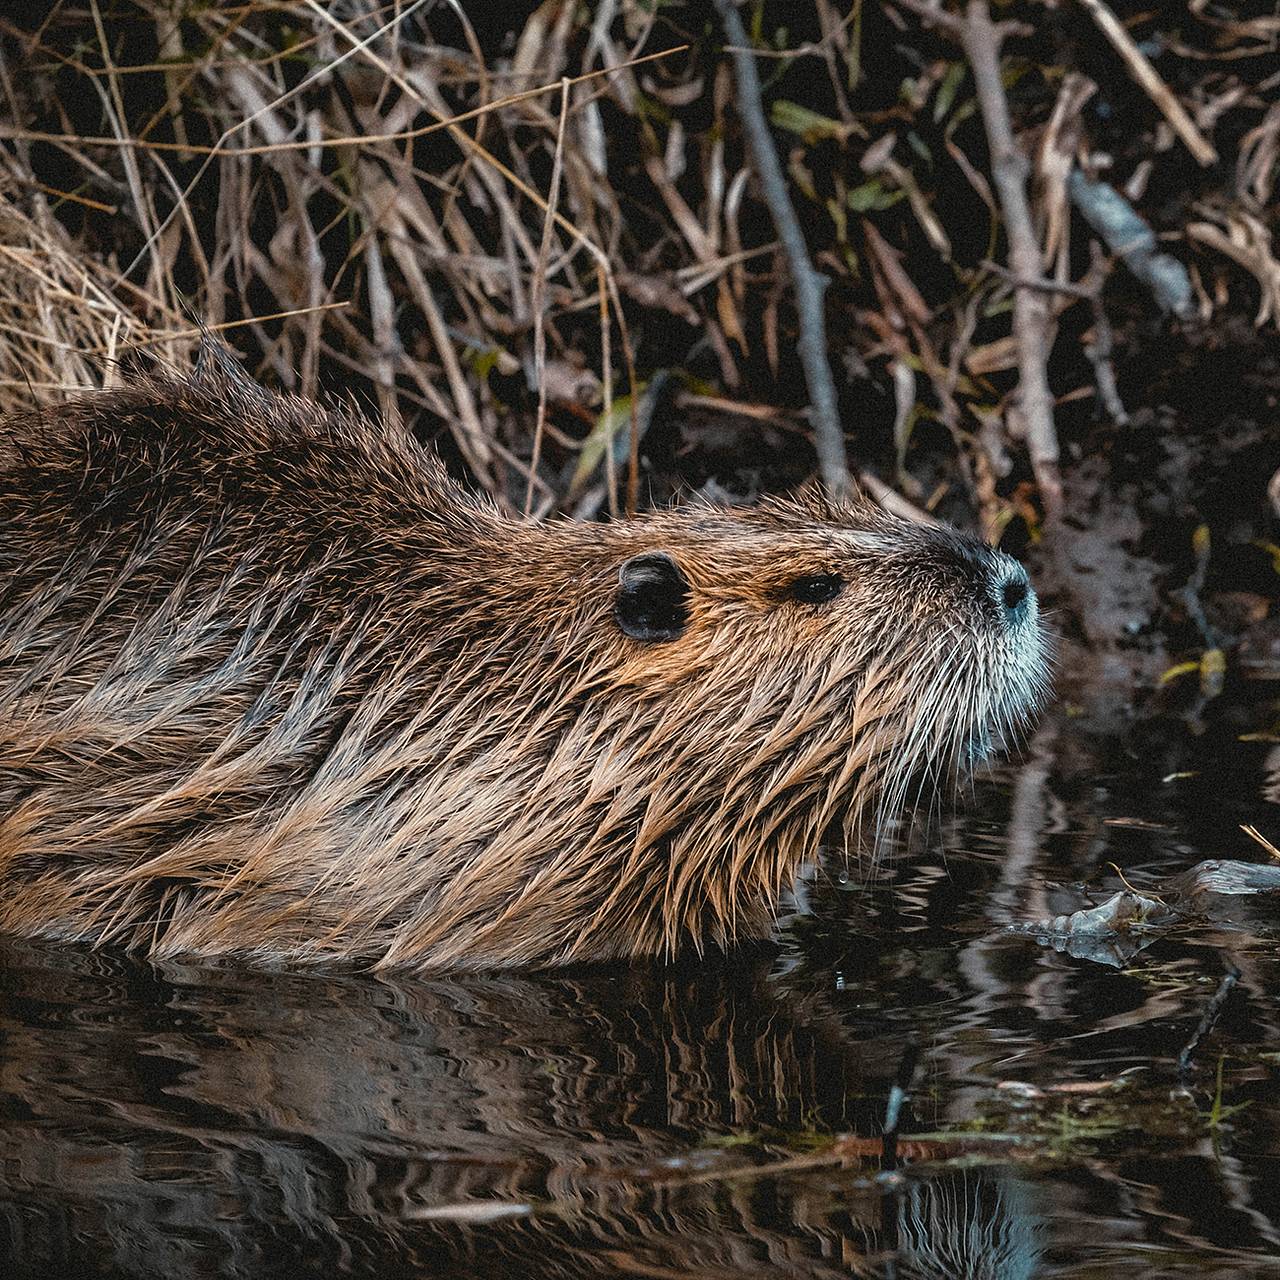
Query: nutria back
x=272 y=684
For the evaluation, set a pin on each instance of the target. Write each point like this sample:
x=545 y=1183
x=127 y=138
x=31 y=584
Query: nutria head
x=270 y=683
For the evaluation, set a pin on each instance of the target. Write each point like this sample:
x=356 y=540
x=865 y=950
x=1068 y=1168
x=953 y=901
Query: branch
x=1133 y=242
x=1149 y=79
x=980 y=39
x=806 y=280
x=932 y=14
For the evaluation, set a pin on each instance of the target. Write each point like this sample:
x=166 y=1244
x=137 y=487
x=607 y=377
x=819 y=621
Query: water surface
x=715 y=1119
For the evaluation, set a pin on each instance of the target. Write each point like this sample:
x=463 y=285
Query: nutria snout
x=272 y=684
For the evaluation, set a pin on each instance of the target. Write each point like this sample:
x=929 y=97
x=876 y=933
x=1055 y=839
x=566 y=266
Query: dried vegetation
x=536 y=233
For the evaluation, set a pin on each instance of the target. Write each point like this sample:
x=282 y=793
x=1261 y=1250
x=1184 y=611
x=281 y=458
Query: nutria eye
x=817 y=588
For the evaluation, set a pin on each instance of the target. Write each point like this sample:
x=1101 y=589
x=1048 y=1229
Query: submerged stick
x=1212 y=1012
x=808 y=283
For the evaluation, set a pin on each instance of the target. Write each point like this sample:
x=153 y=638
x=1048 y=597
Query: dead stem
x=540 y=295
x=807 y=283
x=1148 y=79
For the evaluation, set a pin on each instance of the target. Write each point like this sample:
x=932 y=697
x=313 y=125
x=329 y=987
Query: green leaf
x=604 y=433
x=872 y=195
x=946 y=94
x=482 y=361
x=812 y=126
x=919 y=146
x=961 y=114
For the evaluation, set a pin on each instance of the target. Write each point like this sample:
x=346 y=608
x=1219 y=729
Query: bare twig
x=932 y=14
x=606 y=407
x=1132 y=241
x=1099 y=348
x=891 y=500
x=539 y=295
x=980 y=38
x=1149 y=80
x=170 y=335
x=808 y=283
x=1043 y=283
x=307 y=144
x=1254 y=834
x=492 y=162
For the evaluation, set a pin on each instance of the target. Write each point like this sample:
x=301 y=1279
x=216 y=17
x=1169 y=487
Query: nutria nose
x=1013 y=590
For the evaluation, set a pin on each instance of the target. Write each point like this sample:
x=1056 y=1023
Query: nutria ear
x=653 y=598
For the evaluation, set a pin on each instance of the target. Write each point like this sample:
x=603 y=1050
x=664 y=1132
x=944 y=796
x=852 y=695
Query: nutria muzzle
x=271 y=684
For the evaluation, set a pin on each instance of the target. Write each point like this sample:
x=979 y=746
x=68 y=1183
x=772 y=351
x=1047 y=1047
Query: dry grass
x=521 y=231
x=64 y=318
x=287 y=174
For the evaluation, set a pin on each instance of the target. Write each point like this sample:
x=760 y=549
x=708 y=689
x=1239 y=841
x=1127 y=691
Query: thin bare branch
x=808 y=283
x=539 y=302
x=1148 y=79
x=1031 y=316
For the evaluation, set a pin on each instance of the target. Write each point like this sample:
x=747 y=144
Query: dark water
x=720 y=1119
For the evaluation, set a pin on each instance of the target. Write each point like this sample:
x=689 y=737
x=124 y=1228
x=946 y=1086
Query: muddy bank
x=1166 y=549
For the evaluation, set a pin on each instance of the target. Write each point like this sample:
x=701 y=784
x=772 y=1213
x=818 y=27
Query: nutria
x=272 y=684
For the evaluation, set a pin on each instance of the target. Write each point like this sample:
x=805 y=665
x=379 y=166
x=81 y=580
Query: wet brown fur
x=272 y=684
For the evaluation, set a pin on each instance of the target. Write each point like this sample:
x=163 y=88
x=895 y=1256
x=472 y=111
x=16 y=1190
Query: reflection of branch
x=980 y=38
x=1212 y=1012
x=807 y=282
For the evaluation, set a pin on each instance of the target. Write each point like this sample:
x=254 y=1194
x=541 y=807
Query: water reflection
x=163 y=1119
x=714 y=1120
